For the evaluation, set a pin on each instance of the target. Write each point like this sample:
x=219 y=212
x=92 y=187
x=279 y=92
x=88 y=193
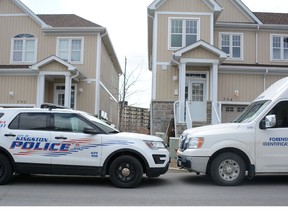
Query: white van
x=256 y=142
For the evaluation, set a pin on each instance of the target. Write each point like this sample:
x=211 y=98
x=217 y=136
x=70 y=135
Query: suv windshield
x=100 y=124
x=252 y=111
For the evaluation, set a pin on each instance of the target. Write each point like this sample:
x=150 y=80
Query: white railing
x=176 y=115
x=188 y=117
x=215 y=114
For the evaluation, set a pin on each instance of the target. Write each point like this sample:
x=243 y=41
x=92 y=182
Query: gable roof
x=272 y=18
x=203 y=44
x=66 y=20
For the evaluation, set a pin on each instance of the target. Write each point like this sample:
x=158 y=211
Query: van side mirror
x=268 y=122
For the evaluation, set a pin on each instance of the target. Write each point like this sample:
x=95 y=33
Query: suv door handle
x=61 y=137
x=9 y=135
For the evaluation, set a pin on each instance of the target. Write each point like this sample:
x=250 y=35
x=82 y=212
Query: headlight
x=154 y=144
x=194 y=142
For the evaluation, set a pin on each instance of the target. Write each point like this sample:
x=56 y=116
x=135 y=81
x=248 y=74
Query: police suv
x=50 y=140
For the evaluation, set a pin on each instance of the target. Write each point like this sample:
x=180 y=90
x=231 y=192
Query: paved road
x=173 y=189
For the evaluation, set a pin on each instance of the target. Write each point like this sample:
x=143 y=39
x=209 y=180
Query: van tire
x=6 y=171
x=126 y=172
x=228 y=169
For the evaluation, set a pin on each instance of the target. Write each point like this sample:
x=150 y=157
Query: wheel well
x=129 y=152
x=233 y=150
x=8 y=155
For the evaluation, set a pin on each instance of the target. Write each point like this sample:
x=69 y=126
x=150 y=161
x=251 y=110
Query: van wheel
x=126 y=172
x=228 y=169
x=6 y=171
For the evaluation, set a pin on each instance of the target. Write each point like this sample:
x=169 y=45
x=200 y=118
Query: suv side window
x=69 y=123
x=30 y=121
x=1 y=114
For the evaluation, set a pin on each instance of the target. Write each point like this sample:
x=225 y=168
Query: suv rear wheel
x=6 y=171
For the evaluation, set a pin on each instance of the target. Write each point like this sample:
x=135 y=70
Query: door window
x=281 y=112
x=30 y=121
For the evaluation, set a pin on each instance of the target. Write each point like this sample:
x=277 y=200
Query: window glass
x=30 y=121
x=69 y=123
x=1 y=114
x=280 y=47
x=231 y=44
x=183 y=32
x=70 y=49
x=24 y=48
x=281 y=112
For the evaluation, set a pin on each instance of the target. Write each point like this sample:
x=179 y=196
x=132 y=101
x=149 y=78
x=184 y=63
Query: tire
x=6 y=171
x=228 y=169
x=126 y=172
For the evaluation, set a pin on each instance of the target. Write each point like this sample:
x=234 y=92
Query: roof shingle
x=66 y=20
x=272 y=18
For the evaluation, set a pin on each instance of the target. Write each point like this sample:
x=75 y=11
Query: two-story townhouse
x=57 y=58
x=210 y=58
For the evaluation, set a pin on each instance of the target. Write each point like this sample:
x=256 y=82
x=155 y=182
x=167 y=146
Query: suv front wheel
x=126 y=172
x=228 y=169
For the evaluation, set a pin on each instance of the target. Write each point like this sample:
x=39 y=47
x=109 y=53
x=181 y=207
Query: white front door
x=196 y=95
x=59 y=95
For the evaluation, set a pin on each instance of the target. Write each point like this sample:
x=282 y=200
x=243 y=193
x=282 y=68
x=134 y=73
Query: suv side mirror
x=89 y=130
x=268 y=122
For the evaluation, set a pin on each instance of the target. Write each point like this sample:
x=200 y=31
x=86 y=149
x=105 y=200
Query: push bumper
x=190 y=163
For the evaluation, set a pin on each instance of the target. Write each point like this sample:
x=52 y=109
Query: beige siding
x=165 y=84
x=200 y=53
x=7 y=8
x=23 y=88
x=249 y=87
x=86 y=99
x=54 y=66
x=185 y=6
x=231 y=13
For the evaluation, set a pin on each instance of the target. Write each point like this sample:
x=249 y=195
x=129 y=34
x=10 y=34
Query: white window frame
x=23 y=51
x=183 y=30
x=70 y=39
x=282 y=59
x=231 y=34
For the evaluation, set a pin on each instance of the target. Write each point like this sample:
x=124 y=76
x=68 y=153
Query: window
x=279 y=47
x=281 y=112
x=70 y=49
x=24 y=48
x=30 y=121
x=69 y=123
x=183 y=32
x=231 y=43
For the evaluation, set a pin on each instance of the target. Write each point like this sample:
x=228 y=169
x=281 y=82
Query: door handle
x=61 y=137
x=9 y=135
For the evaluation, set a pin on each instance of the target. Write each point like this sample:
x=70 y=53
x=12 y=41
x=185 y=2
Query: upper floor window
x=183 y=32
x=279 y=47
x=70 y=49
x=24 y=48
x=232 y=44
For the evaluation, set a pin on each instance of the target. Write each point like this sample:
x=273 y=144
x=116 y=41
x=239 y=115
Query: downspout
x=264 y=80
x=71 y=79
x=98 y=72
x=257 y=42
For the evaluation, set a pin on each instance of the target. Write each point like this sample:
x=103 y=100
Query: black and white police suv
x=51 y=140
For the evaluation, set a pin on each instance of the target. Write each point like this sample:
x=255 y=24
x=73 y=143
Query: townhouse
x=210 y=59
x=56 y=58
